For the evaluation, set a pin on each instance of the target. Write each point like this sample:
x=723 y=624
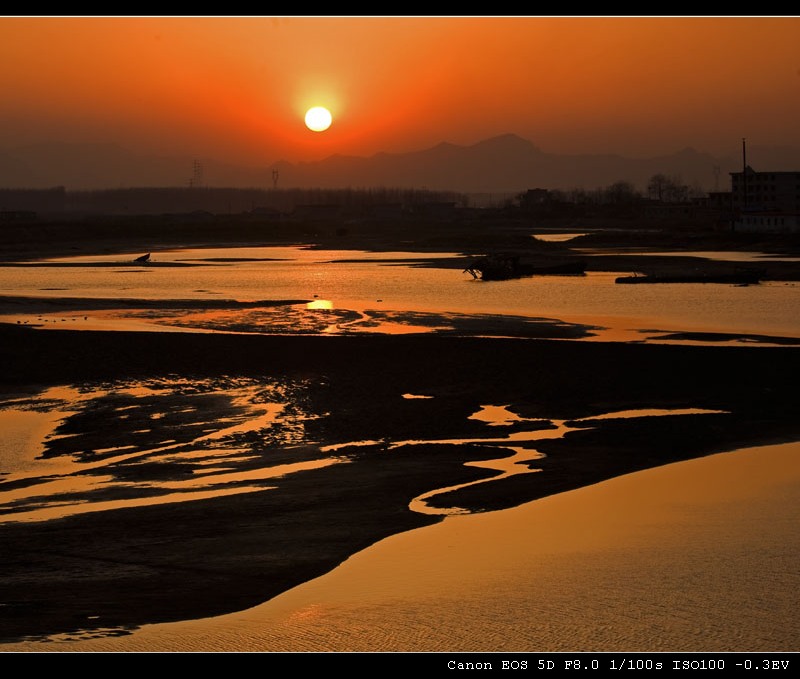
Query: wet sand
x=671 y=559
x=114 y=571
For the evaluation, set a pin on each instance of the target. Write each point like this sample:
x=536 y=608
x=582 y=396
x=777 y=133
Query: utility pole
x=744 y=171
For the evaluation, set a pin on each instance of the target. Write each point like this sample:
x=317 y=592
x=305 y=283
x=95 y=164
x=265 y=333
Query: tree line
x=661 y=187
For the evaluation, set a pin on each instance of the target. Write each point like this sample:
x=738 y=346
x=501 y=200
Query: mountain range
x=503 y=164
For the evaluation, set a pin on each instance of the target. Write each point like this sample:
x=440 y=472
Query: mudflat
x=114 y=570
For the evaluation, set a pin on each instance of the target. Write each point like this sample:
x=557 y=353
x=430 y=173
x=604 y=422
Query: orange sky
x=236 y=88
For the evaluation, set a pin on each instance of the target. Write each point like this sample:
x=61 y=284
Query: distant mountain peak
x=508 y=140
x=505 y=163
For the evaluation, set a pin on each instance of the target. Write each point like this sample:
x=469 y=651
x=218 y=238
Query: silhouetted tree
x=621 y=192
x=667 y=189
x=656 y=186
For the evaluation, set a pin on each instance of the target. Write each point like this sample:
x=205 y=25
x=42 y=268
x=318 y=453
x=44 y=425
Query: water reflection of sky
x=715 y=255
x=128 y=445
x=396 y=282
x=124 y=445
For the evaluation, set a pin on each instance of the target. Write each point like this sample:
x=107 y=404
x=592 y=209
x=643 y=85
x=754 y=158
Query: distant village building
x=719 y=200
x=765 y=201
x=775 y=191
x=773 y=222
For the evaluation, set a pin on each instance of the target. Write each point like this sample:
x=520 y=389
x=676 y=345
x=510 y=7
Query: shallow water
x=716 y=255
x=671 y=559
x=541 y=589
x=186 y=440
x=380 y=291
x=183 y=440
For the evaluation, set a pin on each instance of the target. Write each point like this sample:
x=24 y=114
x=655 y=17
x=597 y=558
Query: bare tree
x=621 y=192
x=667 y=189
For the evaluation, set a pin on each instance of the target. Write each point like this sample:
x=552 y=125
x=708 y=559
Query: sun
x=318 y=119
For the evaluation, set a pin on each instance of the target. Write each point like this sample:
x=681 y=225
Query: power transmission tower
x=197 y=174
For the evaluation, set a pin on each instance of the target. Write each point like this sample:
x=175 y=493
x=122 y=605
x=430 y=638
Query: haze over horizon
x=235 y=89
x=503 y=164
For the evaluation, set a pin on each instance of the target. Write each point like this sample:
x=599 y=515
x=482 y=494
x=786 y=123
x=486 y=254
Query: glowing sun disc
x=318 y=118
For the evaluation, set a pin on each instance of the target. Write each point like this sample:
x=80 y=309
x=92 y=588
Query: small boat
x=143 y=258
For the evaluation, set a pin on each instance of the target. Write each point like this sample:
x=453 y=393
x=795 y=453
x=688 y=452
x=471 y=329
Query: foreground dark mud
x=106 y=572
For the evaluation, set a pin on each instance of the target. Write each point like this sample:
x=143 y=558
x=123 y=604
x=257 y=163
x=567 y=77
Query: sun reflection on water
x=324 y=304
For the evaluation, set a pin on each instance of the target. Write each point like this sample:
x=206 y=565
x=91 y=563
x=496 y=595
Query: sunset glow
x=348 y=336
x=233 y=88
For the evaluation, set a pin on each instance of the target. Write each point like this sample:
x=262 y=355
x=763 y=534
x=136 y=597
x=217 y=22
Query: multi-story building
x=765 y=201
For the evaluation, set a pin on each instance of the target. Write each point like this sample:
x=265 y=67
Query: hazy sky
x=236 y=88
